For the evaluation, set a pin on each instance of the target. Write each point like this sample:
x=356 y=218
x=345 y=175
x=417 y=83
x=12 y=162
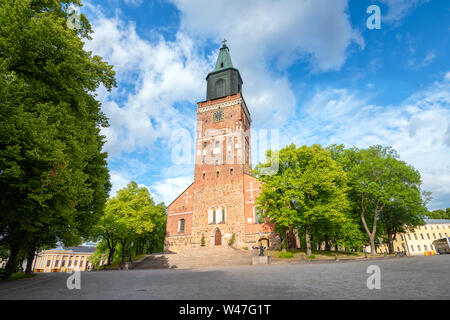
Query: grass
x=300 y=254
x=19 y=276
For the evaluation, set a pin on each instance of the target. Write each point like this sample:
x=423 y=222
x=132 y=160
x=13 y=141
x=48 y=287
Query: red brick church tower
x=220 y=202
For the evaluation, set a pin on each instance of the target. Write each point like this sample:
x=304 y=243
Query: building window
x=216 y=163
x=425 y=248
x=63 y=263
x=409 y=236
x=70 y=263
x=223 y=215
x=422 y=236
x=48 y=263
x=418 y=247
x=204 y=174
x=258 y=215
x=428 y=235
x=56 y=263
x=415 y=236
x=217 y=144
x=412 y=248
x=231 y=171
x=440 y=235
x=401 y=236
x=181 y=226
x=434 y=235
x=217 y=173
x=211 y=215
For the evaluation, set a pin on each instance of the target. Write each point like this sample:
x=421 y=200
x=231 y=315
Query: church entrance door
x=218 y=238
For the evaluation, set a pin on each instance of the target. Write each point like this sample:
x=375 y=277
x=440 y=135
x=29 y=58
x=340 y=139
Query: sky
x=312 y=70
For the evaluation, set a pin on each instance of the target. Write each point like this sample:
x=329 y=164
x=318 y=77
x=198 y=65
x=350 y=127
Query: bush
x=285 y=255
x=203 y=240
x=312 y=256
x=232 y=239
x=245 y=248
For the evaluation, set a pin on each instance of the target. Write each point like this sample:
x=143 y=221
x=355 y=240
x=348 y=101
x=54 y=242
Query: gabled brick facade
x=221 y=200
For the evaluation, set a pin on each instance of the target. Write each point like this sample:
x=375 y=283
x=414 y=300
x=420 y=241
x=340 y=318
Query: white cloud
x=261 y=33
x=398 y=9
x=167 y=190
x=419 y=129
x=158 y=75
x=118 y=180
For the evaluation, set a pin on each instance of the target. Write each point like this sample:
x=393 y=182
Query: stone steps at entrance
x=198 y=257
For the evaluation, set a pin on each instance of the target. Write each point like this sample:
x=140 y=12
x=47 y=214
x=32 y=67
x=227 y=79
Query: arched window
x=181 y=223
x=221 y=214
x=231 y=171
x=258 y=215
x=212 y=216
x=220 y=88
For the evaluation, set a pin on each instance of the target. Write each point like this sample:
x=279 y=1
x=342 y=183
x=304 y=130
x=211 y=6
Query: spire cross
x=224 y=42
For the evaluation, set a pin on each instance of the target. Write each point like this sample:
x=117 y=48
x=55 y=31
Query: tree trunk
x=124 y=252
x=112 y=250
x=30 y=259
x=373 y=249
x=390 y=241
x=371 y=235
x=12 y=261
x=308 y=241
x=327 y=243
x=297 y=239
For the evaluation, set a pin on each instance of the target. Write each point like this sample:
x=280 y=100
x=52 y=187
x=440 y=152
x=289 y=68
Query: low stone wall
x=177 y=243
x=273 y=237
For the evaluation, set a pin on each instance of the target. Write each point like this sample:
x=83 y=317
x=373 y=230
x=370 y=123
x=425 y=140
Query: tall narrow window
x=214 y=216
x=231 y=171
x=217 y=173
x=223 y=215
x=258 y=215
x=181 y=226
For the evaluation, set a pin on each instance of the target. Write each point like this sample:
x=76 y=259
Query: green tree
x=308 y=189
x=129 y=216
x=53 y=175
x=381 y=186
x=439 y=214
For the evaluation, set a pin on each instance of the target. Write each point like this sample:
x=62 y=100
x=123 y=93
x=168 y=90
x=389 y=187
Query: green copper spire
x=224 y=80
x=224 y=59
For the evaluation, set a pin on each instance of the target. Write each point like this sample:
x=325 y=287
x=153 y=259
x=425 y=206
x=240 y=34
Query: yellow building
x=419 y=241
x=64 y=259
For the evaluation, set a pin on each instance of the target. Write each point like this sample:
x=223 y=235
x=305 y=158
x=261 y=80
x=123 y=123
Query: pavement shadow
x=154 y=262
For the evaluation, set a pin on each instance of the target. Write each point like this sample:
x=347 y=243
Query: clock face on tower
x=218 y=115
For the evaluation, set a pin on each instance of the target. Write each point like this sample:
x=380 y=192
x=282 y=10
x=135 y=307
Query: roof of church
x=224 y=59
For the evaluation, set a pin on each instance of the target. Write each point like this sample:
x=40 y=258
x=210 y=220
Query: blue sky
x=311 y=69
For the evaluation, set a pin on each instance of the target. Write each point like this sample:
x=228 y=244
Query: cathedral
x=219 y=208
